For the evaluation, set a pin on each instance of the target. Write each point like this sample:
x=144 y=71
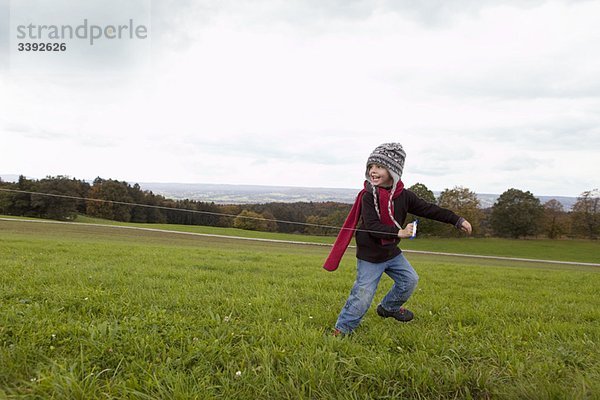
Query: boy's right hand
x=406 y=232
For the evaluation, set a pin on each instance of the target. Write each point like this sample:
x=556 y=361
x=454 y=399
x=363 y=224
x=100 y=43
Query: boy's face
x=380 y=176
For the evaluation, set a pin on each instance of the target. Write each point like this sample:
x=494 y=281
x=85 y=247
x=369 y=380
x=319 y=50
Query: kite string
x=191 y=211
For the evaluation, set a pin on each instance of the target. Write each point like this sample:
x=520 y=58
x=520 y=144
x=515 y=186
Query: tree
x=138 y=213
x=229 y=211
x=323 y=226
x=269 y=224
x=586 y=214
x=55 y=207
x=6 y=198
x=314 y=226
x=109 y=191
x=485 y=228
x=45 y=205
x=516 y=214
x=463 y=202
x=253 y=221
x=426 y=226
x=155 y=215
x=286 y=212
x=555 y=221
x=21 y=202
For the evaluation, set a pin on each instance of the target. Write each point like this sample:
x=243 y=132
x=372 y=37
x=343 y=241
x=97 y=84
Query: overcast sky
x=489 y=95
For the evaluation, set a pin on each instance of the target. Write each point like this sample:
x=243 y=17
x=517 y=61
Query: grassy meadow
x=91 y=312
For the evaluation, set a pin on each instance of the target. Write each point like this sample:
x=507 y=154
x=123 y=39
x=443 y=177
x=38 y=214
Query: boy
x=382 y=207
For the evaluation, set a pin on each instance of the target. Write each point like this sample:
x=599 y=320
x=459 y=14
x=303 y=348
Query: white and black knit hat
x=391 y=156
x=388 y=155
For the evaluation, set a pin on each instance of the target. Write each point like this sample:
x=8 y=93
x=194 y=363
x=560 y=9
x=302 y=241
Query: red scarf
x=347 y=231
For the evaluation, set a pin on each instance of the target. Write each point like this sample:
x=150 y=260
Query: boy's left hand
x=466 y=227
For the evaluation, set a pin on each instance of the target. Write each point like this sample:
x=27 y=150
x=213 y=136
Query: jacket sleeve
x=371 y=221
x=421 y=208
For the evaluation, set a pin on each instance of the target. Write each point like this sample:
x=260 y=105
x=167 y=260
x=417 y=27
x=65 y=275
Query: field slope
x=94 y=313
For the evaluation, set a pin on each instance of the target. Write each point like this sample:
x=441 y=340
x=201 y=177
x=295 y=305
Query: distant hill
x=256 y=194
x=249 y=194
x=253 y=194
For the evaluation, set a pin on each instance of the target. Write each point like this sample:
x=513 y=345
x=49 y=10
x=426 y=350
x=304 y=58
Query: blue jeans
x=367 y=278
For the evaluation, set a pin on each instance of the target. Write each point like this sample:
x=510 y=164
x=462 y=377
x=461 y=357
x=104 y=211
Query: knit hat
x=391 y=156
x=388 y=155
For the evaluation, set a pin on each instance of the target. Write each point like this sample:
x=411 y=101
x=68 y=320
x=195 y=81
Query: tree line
x=516 y=213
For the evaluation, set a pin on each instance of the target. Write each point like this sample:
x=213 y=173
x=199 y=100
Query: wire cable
x=193 y=211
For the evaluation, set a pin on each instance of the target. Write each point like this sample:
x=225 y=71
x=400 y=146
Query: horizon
x=14 y=178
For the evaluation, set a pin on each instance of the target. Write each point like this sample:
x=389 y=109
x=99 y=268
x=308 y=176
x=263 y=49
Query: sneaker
x=402 y=315
x=337 y=333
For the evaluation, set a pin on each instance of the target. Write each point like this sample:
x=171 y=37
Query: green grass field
x=92 y=312
x=585 y=251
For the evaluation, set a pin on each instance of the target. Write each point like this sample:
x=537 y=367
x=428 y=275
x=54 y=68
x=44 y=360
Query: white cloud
x=487 y=95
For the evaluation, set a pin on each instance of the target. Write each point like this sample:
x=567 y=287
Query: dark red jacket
x=369 y=246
